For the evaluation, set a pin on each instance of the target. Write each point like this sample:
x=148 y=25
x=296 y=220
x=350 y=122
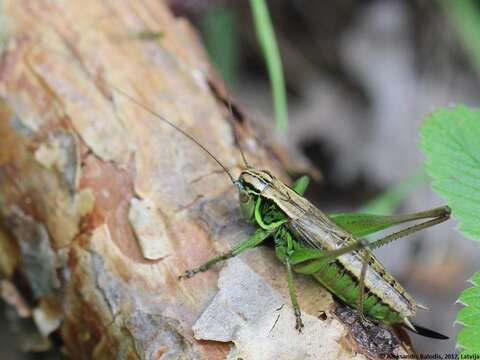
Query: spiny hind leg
x=368 y=244
x=362 y=224
x=258 y=237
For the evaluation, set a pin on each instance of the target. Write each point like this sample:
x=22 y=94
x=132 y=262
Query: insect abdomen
x=335 y=276
x=340 y=282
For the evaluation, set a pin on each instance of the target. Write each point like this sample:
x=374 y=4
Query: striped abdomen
x=343 y=284
x=386 y=300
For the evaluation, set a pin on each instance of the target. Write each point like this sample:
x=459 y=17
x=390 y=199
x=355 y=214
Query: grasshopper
x=329 y=248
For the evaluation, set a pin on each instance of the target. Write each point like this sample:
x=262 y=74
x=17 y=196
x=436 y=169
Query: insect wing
x=314 y=229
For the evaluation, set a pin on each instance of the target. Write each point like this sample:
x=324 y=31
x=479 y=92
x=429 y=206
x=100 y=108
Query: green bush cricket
x=330 y=249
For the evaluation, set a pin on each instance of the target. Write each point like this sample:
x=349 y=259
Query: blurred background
x=361 y=75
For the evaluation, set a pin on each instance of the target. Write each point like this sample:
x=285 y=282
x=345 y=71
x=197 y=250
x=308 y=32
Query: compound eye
x=244 y=197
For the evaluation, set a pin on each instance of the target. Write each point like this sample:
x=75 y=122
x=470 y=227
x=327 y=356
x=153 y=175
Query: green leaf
x=464 y=16
x=266 y=37
x=300 y=185
x=451 y=143
x=469 y=316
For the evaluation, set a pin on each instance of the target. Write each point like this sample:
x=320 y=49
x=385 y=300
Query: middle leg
x=284 y=247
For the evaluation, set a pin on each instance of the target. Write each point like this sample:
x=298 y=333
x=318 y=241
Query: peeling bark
x=102 y=205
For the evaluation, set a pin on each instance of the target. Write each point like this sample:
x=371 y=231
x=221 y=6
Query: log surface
x=102 y=205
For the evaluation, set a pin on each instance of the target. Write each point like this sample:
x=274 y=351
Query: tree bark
x=103 y=205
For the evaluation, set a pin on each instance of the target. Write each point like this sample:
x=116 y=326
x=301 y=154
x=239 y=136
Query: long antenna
x=237 y=140
x=158 y=116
